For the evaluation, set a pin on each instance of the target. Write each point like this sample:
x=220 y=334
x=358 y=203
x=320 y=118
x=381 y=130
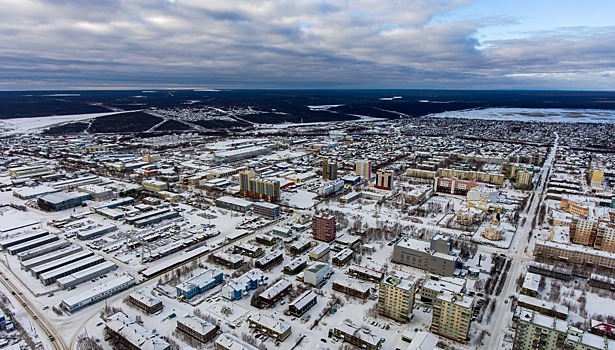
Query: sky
x=415 y=44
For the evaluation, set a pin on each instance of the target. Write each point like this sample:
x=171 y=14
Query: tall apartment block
x=258 y=188
x=363 y=168
x=323 y=226
x=329 y=170
x=538 y=331
x=592 y=232
x=396 y=299
x=452 y=314
x=384 y=179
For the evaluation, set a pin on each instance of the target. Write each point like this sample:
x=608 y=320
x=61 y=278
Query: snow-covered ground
x=534 y=115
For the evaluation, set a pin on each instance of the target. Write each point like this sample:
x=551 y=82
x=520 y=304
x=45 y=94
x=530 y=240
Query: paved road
x=56 y=341
x=518 y=246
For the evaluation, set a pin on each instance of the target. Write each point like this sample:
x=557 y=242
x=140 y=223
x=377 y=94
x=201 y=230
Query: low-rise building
x=130 y=335
x=353 y=288
x=303 y=303
x=270 y=326
x=295 y=266
x=242 y=286
x=365 y=273
x=145 y=302
x=271 y=295
x=197 y=328
x=317 y=273
x=248 y=249
x=91 y=296
x=269 y=261
x=361 y=338
x=531 y=284
x=199 y=284
x=228 y=260
x=342 y=257
x=434 y=257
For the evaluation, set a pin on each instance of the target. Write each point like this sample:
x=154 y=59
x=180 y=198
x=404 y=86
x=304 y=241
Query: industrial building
x=42 y=250
x=146 y=302
x=11 y=242
x=302 y=303
x=36 y=271
x=50 y=277
x=199 y=284
x=96 y=232
x=48 y=257
x=85 y=275
x=235 y=204
x=32 y=244
x=91 y=296
x=61 y=200
x=320 y=253
x=197 y=328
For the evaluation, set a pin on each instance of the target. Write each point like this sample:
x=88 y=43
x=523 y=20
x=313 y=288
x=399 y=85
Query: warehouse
x=42 y=250
x=236 y=204
x=145 y=302
x=96 y=232
x=55 y=264
x=11 y=242
x=43 y=259
x=74 y=183
x=132 y=219
x=52 y=276
x=197 y=328
x=61 y=200
x=22 y=247
x=85 y=275
x=156 y=219
x=91 y=296
x=303 y=303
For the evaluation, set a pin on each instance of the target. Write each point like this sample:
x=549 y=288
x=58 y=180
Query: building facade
x=323 y=227
x=452 y=314
x=396 y=298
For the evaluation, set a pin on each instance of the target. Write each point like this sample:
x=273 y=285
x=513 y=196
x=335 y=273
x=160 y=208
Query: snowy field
x=534 y=115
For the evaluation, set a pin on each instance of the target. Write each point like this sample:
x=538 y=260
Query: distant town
x=401 y=234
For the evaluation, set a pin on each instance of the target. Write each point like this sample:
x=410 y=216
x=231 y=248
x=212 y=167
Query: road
x=519 y=256
x=54 y=339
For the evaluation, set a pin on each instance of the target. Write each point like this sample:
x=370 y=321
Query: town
x=401 y=234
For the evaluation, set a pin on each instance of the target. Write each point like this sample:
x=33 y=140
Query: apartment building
x=258 y=188
x=384 y=179
x=363 y=168
x=396 y=298
x=452 y=314
x=574 y=254
x=323 y=227
x=538 y=331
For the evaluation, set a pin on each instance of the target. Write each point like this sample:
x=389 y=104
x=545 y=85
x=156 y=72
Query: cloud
x=282 y=43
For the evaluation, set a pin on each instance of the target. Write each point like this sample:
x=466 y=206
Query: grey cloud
x=283 y=43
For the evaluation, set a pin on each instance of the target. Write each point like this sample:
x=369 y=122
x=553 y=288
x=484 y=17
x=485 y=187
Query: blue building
x=241 y=287
x=199 y=284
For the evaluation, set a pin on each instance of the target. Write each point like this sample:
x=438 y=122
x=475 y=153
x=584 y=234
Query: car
x=323 y=340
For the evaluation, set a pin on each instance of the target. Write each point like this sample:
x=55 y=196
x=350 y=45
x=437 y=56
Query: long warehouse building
x=43 y=259
x=22 y=239
x=42 y=250
x=22 y=247
x=52 y=276
x=79 y=277
x=52 y=265
x=91 y=296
